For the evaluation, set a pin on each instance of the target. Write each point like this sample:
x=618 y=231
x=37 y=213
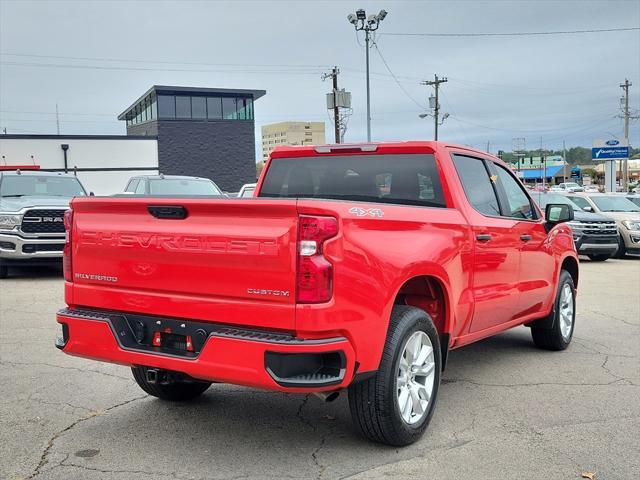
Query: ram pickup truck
x=32 y=206
x=354 y=267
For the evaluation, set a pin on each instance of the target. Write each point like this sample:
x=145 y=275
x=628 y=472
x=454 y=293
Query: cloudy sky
x=93 y=58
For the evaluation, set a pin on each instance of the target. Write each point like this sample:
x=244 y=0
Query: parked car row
x=604 y=225
x=32 y=206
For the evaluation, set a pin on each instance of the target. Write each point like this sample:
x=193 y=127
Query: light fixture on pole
x=437 y=122
x=369 y=24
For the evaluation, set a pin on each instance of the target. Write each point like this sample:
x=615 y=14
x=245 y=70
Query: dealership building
x=204 y=132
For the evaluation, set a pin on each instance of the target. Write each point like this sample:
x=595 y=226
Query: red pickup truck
x=353 y=267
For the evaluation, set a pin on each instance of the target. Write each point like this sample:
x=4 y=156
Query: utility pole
x=564 y=162
x=57 y=120
x=624 y=162
x=488 y=146
x=436 y=110
x=544 y=166
x=336 y=109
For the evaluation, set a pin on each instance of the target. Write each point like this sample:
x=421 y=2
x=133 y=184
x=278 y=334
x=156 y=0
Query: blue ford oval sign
x=612 y=143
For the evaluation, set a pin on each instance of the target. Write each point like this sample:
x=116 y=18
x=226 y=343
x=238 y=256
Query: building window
x=166 y=106
x=183 y=107
x=245 y=108
x=199 y=107
x=229 y=108
x=154 y=109
x=214 y=108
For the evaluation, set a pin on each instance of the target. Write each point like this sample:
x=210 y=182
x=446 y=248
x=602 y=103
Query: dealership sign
x=610 y=149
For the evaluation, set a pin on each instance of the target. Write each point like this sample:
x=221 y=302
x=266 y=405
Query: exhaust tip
x=327 y=396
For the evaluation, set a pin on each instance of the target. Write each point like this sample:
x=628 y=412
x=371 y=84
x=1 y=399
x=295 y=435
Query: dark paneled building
x=204 y=132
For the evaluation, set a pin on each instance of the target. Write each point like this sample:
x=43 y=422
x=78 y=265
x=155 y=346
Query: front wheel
x=622 y=249
x=395 y=406
x=558 y=336
x=170 y=387
x=4 y=271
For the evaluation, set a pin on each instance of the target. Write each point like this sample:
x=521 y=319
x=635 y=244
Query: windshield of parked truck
x=614 y=204
x=544 y=199
x=40 y=185
x=400 y=179
x=183 y=186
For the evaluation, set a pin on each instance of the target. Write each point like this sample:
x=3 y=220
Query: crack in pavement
x=64 y=464
x=34 y=364
x=537 y=384
x=323 y=439
x=43 y=458
x=608 y=315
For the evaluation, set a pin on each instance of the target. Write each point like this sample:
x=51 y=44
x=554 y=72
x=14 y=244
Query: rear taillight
x=315 y=272
x=66 y=251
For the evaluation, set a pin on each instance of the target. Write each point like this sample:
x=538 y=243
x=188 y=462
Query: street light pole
x=361 y=23
x=366 y=42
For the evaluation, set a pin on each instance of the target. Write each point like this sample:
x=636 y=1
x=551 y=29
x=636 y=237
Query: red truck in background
x=353 y=267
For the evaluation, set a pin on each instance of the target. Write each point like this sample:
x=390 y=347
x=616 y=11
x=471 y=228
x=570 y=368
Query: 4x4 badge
x=363 y=212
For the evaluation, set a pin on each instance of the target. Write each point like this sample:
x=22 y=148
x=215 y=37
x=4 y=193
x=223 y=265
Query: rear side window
x=400 y=179
x=248 y=192
x=477 y=184
x=131 y=187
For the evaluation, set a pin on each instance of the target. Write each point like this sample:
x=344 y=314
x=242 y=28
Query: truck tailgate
x=228 y=261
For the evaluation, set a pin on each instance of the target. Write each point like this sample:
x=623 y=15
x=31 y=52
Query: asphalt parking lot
x=506 y=409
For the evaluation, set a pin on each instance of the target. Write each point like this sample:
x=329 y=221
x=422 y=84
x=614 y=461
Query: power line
x=396 y=79
x=509 y=34
x=190 y=70
x=167 y=62
x=62 y=114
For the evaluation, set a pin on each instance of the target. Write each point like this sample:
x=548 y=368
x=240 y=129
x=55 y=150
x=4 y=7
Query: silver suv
x=32 y=206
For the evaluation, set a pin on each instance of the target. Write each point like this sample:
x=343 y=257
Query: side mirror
x=91 y=194
x=556 y=213
x=587 y=209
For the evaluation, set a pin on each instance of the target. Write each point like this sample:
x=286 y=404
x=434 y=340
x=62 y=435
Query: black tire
x=174 y=390
x=373 y=402
x=552 y=338
x=622 y=249
x=4 y=271
x=599 y=257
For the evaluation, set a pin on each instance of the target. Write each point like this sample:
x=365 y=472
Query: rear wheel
x=558 y=336
x=395 y=406
x=169 y=387
x=599 y=257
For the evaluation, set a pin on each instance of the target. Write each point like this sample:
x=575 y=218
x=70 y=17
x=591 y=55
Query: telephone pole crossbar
x=436 y=110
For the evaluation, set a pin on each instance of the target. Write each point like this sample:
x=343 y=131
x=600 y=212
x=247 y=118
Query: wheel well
x=425 y=292
x=570 y=264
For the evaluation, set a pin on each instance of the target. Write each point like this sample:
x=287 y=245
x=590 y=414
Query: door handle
x=525 y=237
x=483 y=237
x=170 y=212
